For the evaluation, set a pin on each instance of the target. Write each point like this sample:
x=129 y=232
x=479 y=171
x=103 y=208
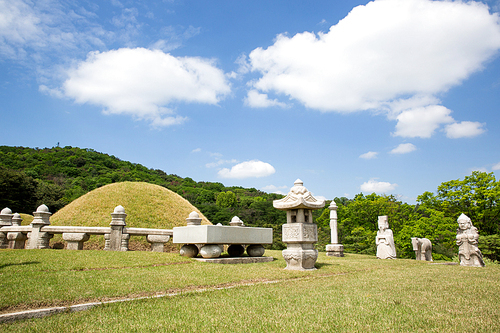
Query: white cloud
x=403 y=148
x=369 y=155
x=378 y=187
x=496 y=167
x=248 y=169
x=275 y=189
x=36 y=32
x=422 y=122
x=383 y=55
x=145 y=83
x=196 y=150
x=464 y=129
x=256 y=99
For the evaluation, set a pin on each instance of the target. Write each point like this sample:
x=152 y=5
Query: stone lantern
x=299 y=233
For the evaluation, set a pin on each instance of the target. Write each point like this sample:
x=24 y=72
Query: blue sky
x=387 y=96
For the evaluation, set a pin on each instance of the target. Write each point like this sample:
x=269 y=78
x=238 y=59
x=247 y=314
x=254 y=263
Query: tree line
x=56 y=176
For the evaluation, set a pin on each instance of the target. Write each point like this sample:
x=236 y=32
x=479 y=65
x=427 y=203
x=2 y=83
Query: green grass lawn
x=352 y=294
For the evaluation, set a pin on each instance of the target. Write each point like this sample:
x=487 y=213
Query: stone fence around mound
x=37 y=235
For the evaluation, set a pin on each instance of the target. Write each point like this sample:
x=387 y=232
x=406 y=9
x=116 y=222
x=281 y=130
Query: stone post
x=334 y=249
x=39 y=239
x=118 y=241
x=75 y=240
x=5 y=221
x=17 y=240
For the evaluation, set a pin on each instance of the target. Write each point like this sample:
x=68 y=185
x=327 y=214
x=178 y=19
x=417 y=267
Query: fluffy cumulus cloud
x=381 y=55
x=248 y=169
x=144 y=83
x=373 y=185
x=464 y=129
x=403 y=148
x=422 y=122
x=369 y=155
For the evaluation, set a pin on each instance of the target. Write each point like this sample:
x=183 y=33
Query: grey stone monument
x=334 y=249
x=467 y=240
x=299 y=233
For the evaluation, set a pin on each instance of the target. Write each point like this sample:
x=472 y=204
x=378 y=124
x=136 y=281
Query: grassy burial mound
x=147 y=206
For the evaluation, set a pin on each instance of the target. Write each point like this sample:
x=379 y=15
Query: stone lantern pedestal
x=299 y=233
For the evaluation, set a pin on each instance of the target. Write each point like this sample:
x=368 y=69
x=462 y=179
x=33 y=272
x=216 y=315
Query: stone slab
x=218 y=234
x=236 y=260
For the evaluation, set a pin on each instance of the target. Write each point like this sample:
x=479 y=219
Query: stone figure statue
x=385 y=239
x=422 y=248
x=467 y=240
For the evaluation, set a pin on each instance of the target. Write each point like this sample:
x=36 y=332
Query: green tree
x=17 y=191
x=477 y=196
x=226 y=199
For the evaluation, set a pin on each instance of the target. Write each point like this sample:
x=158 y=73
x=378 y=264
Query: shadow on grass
x=324 y=264
x=20 y=264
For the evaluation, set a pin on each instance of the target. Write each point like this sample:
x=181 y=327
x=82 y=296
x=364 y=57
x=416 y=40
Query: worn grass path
x=351 y=294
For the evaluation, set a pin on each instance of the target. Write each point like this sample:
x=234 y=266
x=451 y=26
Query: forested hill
x=56 y=176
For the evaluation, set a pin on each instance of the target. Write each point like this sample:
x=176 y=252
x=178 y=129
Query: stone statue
x=467 y=236
x=422 y=248
x=385 y=239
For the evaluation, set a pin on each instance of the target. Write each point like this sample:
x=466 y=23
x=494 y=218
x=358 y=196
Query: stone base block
x=335 y=250
x=237 y=260
x=300 y=259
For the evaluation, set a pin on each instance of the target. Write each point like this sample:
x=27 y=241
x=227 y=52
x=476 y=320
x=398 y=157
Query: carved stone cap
x=193 y=219
x=6 y=211
x=17 y=219
x=42 y=215
x=5 y=217
x=118 y=216
x=298 y=197
x=236 y=222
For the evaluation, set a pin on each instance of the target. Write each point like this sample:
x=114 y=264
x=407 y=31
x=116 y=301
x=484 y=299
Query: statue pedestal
x=335 y=250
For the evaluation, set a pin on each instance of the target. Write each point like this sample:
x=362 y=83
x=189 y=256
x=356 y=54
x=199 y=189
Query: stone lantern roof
x=298 y=198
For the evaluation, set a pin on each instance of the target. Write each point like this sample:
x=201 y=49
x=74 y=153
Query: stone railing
x=37 y=235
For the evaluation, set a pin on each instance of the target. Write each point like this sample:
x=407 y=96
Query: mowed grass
x=352 y=294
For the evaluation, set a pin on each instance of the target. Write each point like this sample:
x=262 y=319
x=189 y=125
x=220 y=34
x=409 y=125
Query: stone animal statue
x=422 y=248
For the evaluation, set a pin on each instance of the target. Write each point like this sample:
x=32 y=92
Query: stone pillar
x=334 y=249
x=39 y=239
x=157 y=242
x=118 y=241
x=5 y=221
x=75 y=240
x=17 y=240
